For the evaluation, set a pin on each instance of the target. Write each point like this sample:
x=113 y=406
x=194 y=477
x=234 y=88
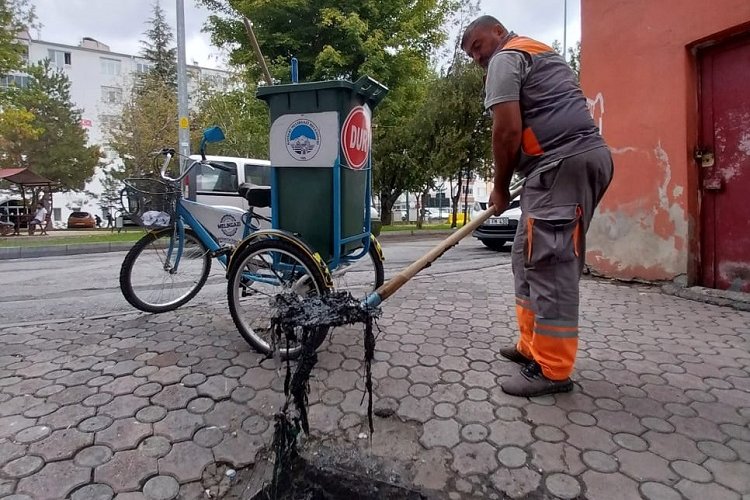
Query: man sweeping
x=541 y=129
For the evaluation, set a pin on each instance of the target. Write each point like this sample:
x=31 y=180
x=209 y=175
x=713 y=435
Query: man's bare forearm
x=505 y=148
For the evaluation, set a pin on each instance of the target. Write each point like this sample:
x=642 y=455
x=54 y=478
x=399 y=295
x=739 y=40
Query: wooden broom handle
x=389 y=288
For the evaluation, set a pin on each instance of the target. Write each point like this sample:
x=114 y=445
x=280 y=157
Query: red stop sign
x=355 y=138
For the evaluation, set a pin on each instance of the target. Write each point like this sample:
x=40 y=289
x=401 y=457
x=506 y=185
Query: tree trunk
x=466 y=196
x=455 y=199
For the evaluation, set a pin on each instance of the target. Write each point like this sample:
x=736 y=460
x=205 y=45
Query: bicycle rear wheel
x=263 y=270
x=148 y=278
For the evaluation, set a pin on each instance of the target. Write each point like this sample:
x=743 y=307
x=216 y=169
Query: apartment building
x=100 y=79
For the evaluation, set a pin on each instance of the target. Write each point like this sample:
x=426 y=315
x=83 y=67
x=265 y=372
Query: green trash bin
x=320 y=145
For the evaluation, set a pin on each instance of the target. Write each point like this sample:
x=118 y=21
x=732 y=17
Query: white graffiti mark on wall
x=745 y=144
x=596 y=108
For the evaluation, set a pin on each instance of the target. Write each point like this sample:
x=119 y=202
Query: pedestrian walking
x=542 y=130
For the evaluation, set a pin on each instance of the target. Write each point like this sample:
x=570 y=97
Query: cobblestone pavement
x=144 y=406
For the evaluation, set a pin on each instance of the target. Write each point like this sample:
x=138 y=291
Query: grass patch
x=60 y=238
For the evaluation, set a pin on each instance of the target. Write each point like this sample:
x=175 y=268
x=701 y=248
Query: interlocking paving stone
x=560 y=457
x=93 y=492
x=161 y=488
x=32 y=434
x=23 y=466
x=661 y=394
x=155 y=446
x=474 y=458
x=9 y=426
x=437 y=432
x=178 y=425
x=56 y=480
x=123 y=434
x=123 y=406
x=563 y=485
x=126 y=470
x=185 y=460
x=734 y=475
x=699 y=491
x=516 y=483
x=61 y=444
x=240 y=448
x=610 y=486
x=93 y=456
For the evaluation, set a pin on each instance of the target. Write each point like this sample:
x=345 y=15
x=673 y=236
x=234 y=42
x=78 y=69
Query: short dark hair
x=480 y=22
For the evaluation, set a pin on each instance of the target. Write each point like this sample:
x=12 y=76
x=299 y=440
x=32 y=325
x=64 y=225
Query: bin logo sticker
x=229 y=225
x=303 y=139
x=355 y=138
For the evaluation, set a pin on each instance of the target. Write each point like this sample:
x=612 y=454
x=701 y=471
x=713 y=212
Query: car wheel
x=496 y=245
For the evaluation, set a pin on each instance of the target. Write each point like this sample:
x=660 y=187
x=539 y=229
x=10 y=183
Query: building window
x=109 y=122
x=57 y=214
x=110 y=67
x=59 y=58
x=142 y=67
x=112 y=95
x=17 y=81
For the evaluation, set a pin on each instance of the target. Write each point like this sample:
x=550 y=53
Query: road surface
x=55 y=288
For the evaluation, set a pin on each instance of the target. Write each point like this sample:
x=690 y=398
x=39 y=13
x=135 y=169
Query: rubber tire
x=496 y=245
x=135 y=251
x=379 y=269
x=306 y=260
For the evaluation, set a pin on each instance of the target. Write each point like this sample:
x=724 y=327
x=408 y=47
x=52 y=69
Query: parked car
x=496 y=231
x=81 y=220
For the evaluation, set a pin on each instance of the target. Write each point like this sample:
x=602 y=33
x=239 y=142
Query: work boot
x=514 y=355
x=530 y=382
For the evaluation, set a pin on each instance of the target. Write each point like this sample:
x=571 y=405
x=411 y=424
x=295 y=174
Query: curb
x=9 y=253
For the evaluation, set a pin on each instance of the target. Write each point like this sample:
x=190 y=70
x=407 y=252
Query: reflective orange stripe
x=525 y=317
x=556 y=356
x=530 y=144
x=527 y=45
x=529 y=236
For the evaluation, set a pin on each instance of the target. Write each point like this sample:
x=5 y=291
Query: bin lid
x=369 y=88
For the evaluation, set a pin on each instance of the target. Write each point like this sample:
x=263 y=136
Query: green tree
x=109 y=199
x=147 y=123
x=574 y=58
x=158 y=48
x=15 y=17
x=60 y=151
x=243 y=118
x=333 y=39
x=17 y=127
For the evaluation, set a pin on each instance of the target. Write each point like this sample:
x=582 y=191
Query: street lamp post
x=183 y=132
x=565 y=29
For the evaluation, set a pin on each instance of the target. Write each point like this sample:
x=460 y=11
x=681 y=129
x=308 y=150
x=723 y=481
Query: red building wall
x=640 y=74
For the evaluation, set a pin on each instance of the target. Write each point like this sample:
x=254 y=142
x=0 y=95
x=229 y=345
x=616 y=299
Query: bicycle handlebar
x=169 y=153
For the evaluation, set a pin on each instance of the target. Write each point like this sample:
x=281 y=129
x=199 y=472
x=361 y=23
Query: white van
x=218 y=187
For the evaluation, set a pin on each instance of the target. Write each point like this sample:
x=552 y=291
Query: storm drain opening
x=309 y=481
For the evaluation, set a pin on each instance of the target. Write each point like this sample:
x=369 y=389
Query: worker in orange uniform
x=541 y=129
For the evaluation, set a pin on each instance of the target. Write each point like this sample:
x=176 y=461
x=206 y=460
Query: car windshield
x=79 y=214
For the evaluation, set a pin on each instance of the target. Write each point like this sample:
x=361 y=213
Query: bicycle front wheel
x=263 y=270
x=160 y=273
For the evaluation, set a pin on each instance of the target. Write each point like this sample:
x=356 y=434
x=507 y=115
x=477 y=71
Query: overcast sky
x=121 y=23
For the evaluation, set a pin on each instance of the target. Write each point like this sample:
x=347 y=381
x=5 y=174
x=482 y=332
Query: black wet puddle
x=306 y=481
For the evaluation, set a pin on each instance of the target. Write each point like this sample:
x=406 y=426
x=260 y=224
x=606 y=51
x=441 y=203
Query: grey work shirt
x=505 y=75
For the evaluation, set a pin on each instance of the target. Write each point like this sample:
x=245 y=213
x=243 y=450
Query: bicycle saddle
x=256 y=196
